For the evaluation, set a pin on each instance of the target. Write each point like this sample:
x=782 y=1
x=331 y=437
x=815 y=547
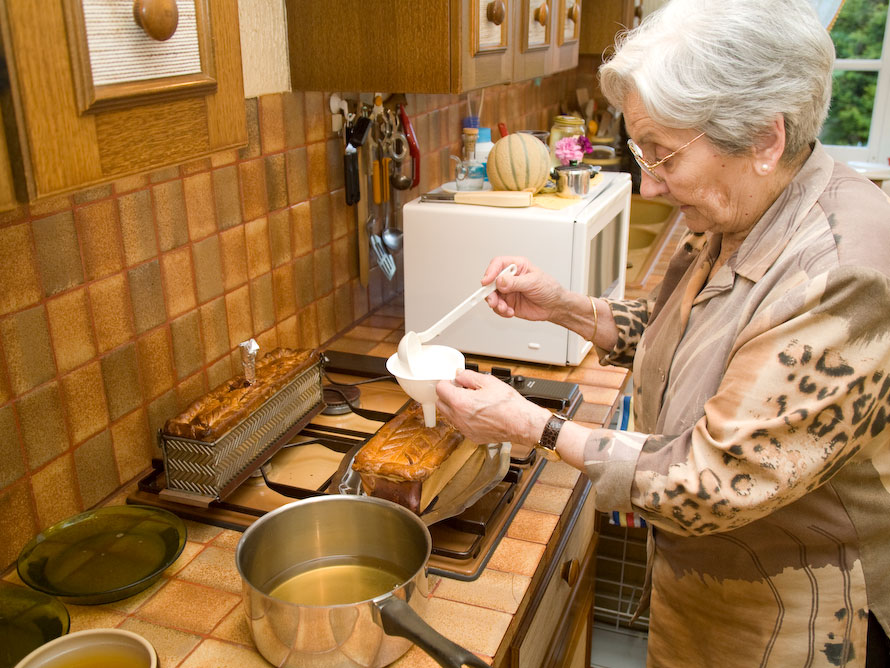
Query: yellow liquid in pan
x=101 y=657
x=338 y=582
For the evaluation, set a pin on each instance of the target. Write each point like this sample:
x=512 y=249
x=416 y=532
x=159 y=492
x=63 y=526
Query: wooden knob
x=541 y=14
x=570 y=572
x=574 y=13
x=496 y=12
x=158 y=18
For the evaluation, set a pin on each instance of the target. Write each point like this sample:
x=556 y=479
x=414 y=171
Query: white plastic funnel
x=410 y=347
x=434 y=363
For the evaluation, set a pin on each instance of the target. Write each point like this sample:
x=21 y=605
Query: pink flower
x=572 y=149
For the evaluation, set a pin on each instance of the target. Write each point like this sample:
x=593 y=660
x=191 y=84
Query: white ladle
x=411 y=343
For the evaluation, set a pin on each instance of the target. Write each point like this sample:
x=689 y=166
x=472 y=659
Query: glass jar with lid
x=564 y=126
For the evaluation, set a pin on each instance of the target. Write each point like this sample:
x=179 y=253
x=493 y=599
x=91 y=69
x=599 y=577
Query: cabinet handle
x=574 y=13
x=570 y=572
x=158 y=18
x=496 y=12
x=541 y=14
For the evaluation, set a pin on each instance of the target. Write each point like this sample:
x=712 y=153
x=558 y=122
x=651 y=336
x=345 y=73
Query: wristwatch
x=547 y=443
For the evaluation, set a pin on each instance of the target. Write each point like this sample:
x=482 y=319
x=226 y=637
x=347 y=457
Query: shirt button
x=661 y=375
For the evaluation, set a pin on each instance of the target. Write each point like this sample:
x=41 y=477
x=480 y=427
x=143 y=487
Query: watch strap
x=551 y=433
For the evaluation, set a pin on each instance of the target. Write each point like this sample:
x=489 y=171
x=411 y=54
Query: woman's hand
x=530 y=294
x=487 y=410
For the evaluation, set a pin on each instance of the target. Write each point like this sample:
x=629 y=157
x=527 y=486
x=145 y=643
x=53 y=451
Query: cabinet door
x=567 y=31
x=487 y=47
x=534 y=56
x=601 y=20
x=64 y=148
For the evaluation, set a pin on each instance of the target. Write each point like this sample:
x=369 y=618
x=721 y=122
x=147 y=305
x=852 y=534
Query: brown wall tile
x=83 y=395
x=191 y=389
x=271 y=119
x=256 y=233
x=238 y=315
x=96 y=469
x=29 y=358
x=307 y=327
x=55 y=493
x=120 y=376
x=137 y=227
x=164 y=174
x=262 y=304
x=44 y=207
x=304 y=280
x=321 y=221
x=5 y=389
x=155 y=363
x=296 y=167
x=219 y=372
x=129 y=183
x=195 y=166
x=58 y=253
x=187 y=351
x=170 y=214
x=314 y=109
x=279 y=237
x=132 y=443
x=227 y=197
x=100 y=240
x=19 y=280
x=294 y=130
x=301 y=228
x=159 y=411
x=92 y=194
x=208 y=269
x=327 y=325
x=343 y=216
x=112 y=313
x=199 y=206
x=179 y=285
x=42 y=421
x=287 y=333
x=276 y=181
x=324 y=271
x=10 y=450
x=334 y=162
x=283 y=291
x=147 y=296
x=18 y=521
x=214 y=330
x=253 y=149
x=233 y=249
x=317 y=165
x=253 y=188
x=223 y=158
x=69 y=325
x=340 y=260
x=342 y=307
x=268 y=340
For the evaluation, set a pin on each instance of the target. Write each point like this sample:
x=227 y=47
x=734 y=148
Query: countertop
x=193 y=614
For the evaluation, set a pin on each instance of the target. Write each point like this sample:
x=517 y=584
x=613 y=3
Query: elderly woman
x=762 y=365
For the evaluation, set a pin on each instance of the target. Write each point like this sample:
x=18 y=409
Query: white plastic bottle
x=483 y=148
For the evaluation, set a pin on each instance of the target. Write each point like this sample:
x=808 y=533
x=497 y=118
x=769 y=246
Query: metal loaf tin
x=199 y=472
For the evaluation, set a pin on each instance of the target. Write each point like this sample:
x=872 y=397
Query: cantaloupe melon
x=519 y=161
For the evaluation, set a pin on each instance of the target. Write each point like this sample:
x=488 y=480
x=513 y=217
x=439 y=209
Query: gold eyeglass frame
x=649 y=167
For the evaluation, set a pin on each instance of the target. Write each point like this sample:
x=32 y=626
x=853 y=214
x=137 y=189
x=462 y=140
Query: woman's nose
x=649 y=187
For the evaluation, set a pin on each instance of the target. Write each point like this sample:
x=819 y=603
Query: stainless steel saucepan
x=340 y=581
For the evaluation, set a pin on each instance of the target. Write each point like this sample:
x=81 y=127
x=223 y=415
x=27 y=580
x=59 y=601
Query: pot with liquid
x=340 y=581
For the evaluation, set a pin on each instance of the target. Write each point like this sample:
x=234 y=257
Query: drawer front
x=553 y=603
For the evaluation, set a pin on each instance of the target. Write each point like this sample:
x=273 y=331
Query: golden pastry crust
x=405 y=450
x=218 y=411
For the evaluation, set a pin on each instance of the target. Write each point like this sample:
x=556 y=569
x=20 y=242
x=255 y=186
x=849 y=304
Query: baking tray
x=198 y=472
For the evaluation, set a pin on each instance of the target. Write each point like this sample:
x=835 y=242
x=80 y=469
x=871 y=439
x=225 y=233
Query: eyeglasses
x=649 y=167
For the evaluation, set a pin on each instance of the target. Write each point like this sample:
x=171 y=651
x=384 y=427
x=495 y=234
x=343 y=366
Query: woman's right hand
x=529 y=294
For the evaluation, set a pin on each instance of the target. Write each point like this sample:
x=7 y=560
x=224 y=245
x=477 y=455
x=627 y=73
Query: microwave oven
x=448 y=246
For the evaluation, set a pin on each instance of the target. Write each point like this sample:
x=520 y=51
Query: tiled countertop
x=193 y=614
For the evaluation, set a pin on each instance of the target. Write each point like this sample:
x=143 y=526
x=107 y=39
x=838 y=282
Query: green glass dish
x=28 y=619
x=102 y=555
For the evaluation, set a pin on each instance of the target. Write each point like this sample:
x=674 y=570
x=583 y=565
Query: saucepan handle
x=398 y=619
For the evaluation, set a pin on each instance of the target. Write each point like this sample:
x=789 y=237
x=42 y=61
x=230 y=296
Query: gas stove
x=360 y=396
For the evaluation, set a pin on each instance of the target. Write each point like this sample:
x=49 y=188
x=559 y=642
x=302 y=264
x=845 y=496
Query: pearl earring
x=765 y=167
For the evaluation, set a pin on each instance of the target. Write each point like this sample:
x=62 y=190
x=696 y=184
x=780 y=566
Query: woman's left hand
x=487 y=410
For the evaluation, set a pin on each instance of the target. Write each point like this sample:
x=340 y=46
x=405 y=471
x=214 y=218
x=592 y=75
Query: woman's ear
x=770 y=146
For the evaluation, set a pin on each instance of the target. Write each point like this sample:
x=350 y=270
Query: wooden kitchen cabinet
x=554 y=631
x=603 y=19
x=433 y=46
x=66 y=135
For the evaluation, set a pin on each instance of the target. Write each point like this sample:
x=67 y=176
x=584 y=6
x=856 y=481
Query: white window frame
x=878 y=148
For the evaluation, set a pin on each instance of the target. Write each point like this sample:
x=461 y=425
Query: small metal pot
x=572 y=180
x=340 y=530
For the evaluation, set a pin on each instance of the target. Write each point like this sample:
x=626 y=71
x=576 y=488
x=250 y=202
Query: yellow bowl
x=95 y=648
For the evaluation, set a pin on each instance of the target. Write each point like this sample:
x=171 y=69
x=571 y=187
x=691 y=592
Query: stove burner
x=337 y=399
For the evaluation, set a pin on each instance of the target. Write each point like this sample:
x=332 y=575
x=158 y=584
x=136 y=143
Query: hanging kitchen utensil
x=356 y=134
x=384 y=259
x=413 y=149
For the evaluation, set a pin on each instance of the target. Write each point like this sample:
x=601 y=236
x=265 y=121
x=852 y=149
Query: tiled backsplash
x=122 y=304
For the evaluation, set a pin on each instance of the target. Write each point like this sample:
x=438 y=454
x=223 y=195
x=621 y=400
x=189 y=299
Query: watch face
x=548 y=454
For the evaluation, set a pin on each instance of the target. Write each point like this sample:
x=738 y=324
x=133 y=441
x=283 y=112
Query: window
x=858 y=127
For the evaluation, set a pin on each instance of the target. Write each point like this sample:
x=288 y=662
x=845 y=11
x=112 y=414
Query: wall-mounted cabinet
x=603 y=19
x=434 y=46
x=91 y=95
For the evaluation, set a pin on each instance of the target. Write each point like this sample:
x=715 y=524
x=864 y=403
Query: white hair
x=728 y=68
